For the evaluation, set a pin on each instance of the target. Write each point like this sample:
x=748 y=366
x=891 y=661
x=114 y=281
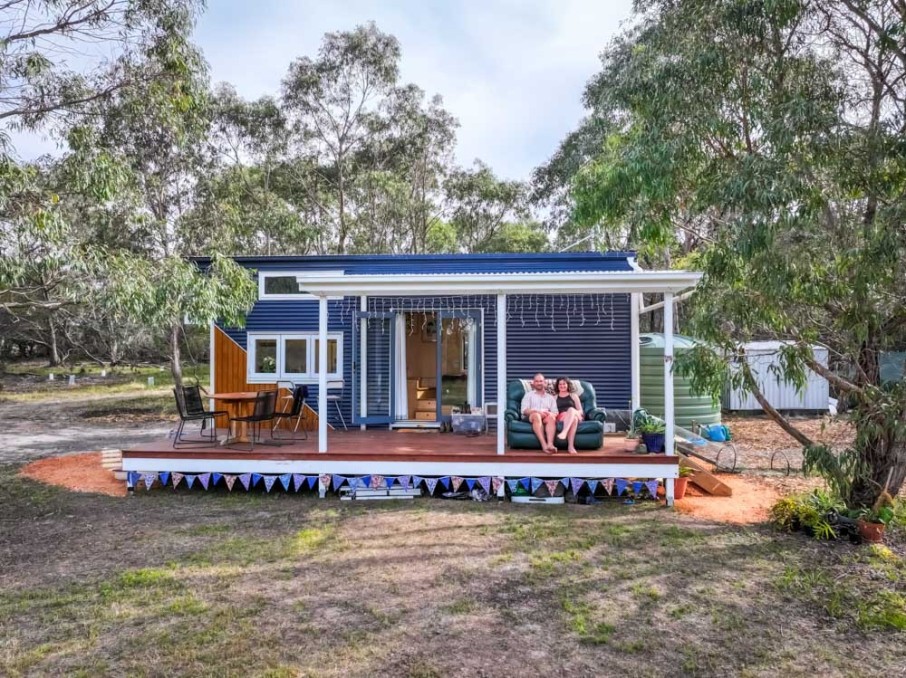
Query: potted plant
x=653 y=434
x=872 y=523
x=680 y=484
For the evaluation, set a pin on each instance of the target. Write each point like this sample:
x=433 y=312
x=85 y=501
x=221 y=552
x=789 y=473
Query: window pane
x=332 y=350
x=265 y=356
x=281 y=284
x=295 y=356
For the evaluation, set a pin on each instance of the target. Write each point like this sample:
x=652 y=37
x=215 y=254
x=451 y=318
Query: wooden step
x=704 y=479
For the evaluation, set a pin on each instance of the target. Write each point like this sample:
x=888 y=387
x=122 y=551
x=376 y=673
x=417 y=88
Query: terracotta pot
x=679 y=487
x=871 y=533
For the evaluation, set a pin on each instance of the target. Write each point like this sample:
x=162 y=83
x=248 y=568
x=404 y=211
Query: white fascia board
x=506 y=283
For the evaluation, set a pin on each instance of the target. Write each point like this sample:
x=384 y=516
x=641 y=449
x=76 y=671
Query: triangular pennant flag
x=575 y=484
x=311 y=482
x=190 y=480
x=149 y=479
x=390 y=480
x=205 y=479
x=377 y=482
x=526 y=483
x=164 y=477
x=298 y=479
x=513 y=484
x=285 y=480
x=416 y=481
x=449 y=483
x=215 y=478
x=131 y=477
x=431 y=483
x=365 y=481
x=608 y=485
x=552 y=486
x=485 y=483
x=177 y=478
x=565 y=482
x=256 y=478
x=230 y=480
x=269 y=482
x=470 y=483
x=338 y=481
x=621 y=485
x=457 y=481
x=593 y=485
x=536 y=483
x=496 y=481
x=246 y=480
x=637 y=487
x=652 y=487
x=404 y=481
x=324 y=479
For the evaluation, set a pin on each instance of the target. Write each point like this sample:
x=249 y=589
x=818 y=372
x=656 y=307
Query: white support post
x=635 y=352
x=363 y=362
x=668 y=388
x=322 y=373
x=501 y=372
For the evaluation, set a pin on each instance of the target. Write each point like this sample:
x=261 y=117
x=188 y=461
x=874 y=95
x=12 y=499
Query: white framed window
x=288 y=285
x=291 y=356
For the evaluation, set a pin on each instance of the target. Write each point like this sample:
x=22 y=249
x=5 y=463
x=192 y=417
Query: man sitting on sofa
x=540 y=408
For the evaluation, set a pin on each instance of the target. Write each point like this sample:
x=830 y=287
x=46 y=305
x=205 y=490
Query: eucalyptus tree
x=771 y=133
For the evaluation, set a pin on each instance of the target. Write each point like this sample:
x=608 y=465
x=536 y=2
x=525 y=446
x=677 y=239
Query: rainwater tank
x=686 y=406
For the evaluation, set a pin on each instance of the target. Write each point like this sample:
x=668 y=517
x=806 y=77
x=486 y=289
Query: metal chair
x=335 y=398
x=265 y=410
x=299 y=394
x=191 y=408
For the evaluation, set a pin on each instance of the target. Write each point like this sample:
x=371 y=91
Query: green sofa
x=519 y=434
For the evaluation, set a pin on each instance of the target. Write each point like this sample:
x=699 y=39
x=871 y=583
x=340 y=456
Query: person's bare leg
x=538 y=429
x=567 y=422
x=551 y=430
x=572 y=436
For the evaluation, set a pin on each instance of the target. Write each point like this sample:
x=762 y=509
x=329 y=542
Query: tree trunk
x=54 y=349
x=885 y=469
x=175 y=364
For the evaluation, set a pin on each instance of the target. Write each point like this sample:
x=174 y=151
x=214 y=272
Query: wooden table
x=243 y=402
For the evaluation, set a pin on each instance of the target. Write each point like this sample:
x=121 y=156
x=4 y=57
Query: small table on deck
x=243 y=403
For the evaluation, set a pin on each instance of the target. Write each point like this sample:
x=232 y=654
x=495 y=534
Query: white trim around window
x=276 y=347
x=299 y=276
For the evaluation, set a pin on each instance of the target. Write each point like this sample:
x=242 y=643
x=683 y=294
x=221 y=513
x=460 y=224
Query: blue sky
x=512 y=72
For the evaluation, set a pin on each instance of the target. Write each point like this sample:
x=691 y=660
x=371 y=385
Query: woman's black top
x=564 y=403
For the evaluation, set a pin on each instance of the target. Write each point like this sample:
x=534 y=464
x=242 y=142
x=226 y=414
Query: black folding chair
x=300 y=393
x=191 y=408
x=265 y=409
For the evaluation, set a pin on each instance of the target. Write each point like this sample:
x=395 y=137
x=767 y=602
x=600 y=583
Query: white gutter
x=660 y=304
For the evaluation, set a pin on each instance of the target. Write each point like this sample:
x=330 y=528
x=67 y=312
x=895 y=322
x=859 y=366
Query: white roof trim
x=594 y=282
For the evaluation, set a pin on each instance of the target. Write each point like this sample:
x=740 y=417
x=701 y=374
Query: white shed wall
x=782 y=395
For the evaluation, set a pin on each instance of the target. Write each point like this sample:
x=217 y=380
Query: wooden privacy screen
x=229 y=377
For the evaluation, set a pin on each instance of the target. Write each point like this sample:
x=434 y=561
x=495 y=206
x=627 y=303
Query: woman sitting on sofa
x=569 y=412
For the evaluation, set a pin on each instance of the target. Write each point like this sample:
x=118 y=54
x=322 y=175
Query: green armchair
x=519 y=434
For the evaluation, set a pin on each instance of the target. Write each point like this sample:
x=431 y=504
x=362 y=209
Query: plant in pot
x=873 y=522
x=652 y=432
x=680 y=484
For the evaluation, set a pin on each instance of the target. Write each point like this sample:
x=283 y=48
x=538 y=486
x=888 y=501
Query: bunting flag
x=285 y=480
x=496 y=482
x=652 y=487
x=256 y=478
x=230 y=480
x=485 y=484
x=608 y=485
x=337 y=481
x=205 y=479
x=377 y=482
x=576 y=484
x=445 y=481
x=536 y=483
x=513 y=483
x=470 y=483
x=365 y=481
x=404 y=481
x=457 y=481
x=149 y=479
x=593 y=485
x=298 y=479
x=313 y=479
x=269 y=482
x=637 y=487
x=190 y=480
x=416 y=481
x=431 y=483
x=325 y=480
x=353 y=483
x=552 y=486
x=565 y=482
x=164 y=477
x=246 y=480
x=621 y=485
x=177 y=479
x=131 y=478
x=390 y=480
x=215 y=478
x=526 y=483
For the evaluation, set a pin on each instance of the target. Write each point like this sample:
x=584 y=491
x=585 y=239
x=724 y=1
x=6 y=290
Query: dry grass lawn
x=194 y=583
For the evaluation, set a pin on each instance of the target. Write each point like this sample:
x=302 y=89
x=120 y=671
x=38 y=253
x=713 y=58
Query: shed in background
x=762 y=356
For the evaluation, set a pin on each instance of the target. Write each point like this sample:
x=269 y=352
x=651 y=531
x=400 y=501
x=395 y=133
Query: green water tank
x=687 y=407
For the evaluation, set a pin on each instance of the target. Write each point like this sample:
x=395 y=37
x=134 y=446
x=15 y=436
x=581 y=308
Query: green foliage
x=652 y=425
x=807 y=511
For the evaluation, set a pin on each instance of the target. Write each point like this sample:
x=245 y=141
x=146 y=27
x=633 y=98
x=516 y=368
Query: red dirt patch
x=77 y=472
